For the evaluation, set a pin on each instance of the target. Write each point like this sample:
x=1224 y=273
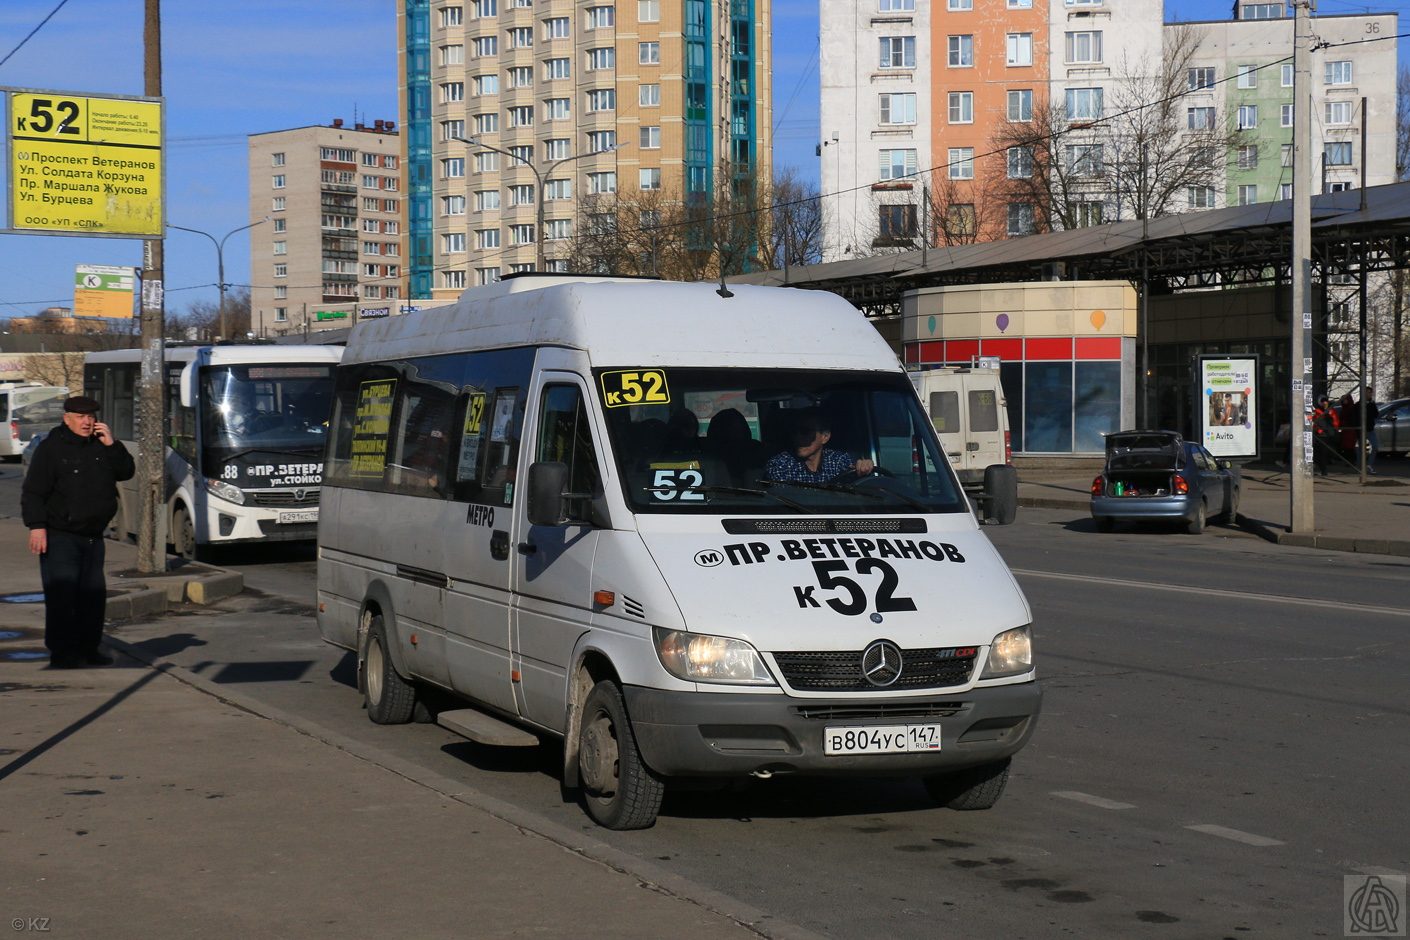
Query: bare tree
x=794 y=237
x=62 y=364
x=201 y=318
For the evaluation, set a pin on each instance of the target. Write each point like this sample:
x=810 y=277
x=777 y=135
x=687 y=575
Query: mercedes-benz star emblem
x=881 y=663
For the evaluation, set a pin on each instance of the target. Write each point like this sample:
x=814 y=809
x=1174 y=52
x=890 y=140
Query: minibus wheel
x=183 y=533
x=391 y=700
x=971 y=788
x=619 y=790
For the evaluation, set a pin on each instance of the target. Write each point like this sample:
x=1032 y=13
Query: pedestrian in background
x=69 y=497
x=1326 y=433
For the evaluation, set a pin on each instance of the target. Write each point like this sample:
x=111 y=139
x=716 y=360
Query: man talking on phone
x=69 y=497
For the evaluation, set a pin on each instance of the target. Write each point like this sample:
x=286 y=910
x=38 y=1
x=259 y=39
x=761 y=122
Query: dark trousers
x=75 y=593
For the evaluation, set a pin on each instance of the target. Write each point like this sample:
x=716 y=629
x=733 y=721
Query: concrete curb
x=654 y=877
x=151 y=595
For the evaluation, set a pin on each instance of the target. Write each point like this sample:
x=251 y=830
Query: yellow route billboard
x=84 y=165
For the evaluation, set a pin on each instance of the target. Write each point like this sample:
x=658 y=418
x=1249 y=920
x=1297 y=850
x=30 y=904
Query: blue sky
x=236 y=68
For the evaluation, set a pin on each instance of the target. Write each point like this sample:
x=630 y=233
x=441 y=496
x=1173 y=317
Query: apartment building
x=936 y=114
x=329 y=245
x=525 y=122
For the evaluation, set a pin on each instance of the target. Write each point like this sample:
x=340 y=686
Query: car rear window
x=1141 y=461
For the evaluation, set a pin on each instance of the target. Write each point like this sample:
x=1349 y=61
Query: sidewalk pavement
x=143 y=801
x=1347 y=515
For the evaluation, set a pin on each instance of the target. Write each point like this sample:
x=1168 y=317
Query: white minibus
x=689 y=531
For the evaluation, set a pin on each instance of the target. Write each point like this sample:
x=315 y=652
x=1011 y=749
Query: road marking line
x=1097 y=801
x=1247 y=838
x=1215 y=592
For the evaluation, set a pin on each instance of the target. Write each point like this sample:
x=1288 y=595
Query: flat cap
x=82 y=405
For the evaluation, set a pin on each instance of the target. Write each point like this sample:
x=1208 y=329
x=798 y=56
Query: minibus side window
x=421 y=445
x=506 y=423
x=945 y=411
x=566 y=436
x=983 y=410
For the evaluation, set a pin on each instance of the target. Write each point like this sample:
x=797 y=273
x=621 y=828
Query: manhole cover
x=22 y=598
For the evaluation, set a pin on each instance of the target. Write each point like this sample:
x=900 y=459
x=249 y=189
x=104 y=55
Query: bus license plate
x=886 y=739
x=297 y=515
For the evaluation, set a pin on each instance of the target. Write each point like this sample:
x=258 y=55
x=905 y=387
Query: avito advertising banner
x=1227 y=412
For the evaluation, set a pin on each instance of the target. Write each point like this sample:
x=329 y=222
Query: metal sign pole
x=1300 y=367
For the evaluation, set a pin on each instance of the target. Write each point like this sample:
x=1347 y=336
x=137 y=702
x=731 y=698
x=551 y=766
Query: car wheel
x=972 y=788
x=183 y=534
x=619 y=790
x=1104 y=523
x=1196 y=525
x=1232 y=516
x=391 y=700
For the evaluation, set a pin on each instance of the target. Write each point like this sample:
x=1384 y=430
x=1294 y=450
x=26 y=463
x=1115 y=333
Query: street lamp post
x=220 y=262
x=539 y=180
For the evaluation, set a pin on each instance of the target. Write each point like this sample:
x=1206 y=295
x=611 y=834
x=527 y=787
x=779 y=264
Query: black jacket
x=72 y=482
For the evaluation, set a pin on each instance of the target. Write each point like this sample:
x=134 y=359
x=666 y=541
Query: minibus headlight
x=697 y=657
x=225 y=491
x=1011 y=654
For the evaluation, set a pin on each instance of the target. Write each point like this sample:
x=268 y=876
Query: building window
x=484 y=8
x=277 y=159
x=521 y=37
x=961 y=107
x=278 y=181
x=556 y=148
x=1287 y=80
x=1020 y=4
x=452 y=91
x=281 y=314
x=601 y=141
x=898 y=109
x=898 y=52
x=522 y=154
x=521 y=76
x=1338 y=112
x=487 y=84
x=487 y=123
x=961 y=163
x=450 y=130
x=897 y=164
x=1084 y=104
x=602 y=99
x=1261 y=11
x=391 y=228
x=1020 y=49
x=1084 y=47
x=649 y=179
x=1248 y=194
x=601 y=17
x=955 y=6
x=1248 y=117
x=370 y=182
x=452 y=55
x=896 y=221
x=1199 y=119
x=521 y=195
x=487 y=238
x=649 y=138
x=454 y=280
x=486 y=275
x=648 y=11
x=1084 y=213
x=1287 y=155
x=961 y=51
x=1021 y=105
x=1200 y=78
x=453 y=243
x=960 y=219
x=453 y=168
x=281 y=270
x=1338 y=73
x=1018 y=163
x=486 y=200
x=556 y=109
x=1084 y=160
x=649 y=96
x=451 y=16
x=557 y=68
x=336 y=154
x=648 y=53
x=450 y=205
x=555 y=27
x=602 y=58
x=1203 y=197
x=1285 y=115
x=557 y=229
x=281 y=248
x=278 y=204
x=1337 y=153
x=1020 y=218
x=280 y=225
x=1248 y=158
x=370 y=225
x=599 y=183
x=558 y=189
x=485 y=46
x=521 y=234
x=521 y=116
x=1248 y=76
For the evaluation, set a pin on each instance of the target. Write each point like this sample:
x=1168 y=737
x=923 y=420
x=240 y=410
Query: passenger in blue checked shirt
x=809 y=460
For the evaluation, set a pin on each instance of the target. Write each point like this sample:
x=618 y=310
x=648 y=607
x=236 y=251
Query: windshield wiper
x=855 y=490
x=731 y=489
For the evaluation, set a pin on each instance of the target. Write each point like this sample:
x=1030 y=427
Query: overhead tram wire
x=33 y=31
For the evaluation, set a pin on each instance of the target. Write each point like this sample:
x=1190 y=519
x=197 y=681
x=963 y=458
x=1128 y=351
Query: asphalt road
x=1222 y=742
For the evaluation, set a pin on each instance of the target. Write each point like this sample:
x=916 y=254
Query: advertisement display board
x=103 y=290
x=1226 y=405
x=84 y=164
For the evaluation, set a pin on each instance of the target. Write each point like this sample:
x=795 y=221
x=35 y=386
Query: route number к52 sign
x=84 y=165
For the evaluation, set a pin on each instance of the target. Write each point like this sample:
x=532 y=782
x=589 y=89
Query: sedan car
x=1156 y=475
x=1393 y=427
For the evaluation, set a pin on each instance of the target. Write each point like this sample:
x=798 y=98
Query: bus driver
x=810 y=460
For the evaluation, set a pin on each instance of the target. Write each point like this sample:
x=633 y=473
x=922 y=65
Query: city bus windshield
x=774 y=441
x=277 y=408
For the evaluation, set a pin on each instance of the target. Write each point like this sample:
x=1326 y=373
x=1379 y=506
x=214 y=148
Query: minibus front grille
x=880 y=711
x=841 y=671
x=816 y=526
x=285 y=499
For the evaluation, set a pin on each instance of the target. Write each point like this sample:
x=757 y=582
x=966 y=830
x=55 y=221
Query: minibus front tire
x=391 y=700
x=971 y=788
x=619 y=790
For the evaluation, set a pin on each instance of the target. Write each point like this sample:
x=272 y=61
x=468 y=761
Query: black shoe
x=97 y=657
x=67 y=661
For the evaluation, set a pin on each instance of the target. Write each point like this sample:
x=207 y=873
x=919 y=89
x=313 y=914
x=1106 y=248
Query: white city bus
x=245 y=429
x=27 y=409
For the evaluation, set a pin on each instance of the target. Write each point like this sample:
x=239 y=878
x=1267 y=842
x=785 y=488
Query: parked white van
x=971 y=416
x=691 y=532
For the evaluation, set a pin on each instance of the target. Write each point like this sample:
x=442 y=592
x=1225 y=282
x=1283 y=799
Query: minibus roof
x=637 y=322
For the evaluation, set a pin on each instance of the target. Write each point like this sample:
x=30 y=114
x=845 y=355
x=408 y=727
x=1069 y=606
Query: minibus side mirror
x=187 y=385
x=547 y=481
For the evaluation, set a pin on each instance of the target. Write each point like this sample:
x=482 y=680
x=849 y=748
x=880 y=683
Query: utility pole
x=151 y=443
x=1300 y=273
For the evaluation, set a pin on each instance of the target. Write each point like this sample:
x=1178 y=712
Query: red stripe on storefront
x=1049 y=348
x=1098 y=347
x=1010 y=350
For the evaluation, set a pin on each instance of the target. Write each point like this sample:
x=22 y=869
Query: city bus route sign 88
x=881 y=739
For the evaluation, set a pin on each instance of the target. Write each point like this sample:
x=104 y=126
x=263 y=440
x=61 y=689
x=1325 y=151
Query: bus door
x=553 y=564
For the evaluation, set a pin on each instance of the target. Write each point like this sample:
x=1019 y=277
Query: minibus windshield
x=281 y=408
x=774 y=441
